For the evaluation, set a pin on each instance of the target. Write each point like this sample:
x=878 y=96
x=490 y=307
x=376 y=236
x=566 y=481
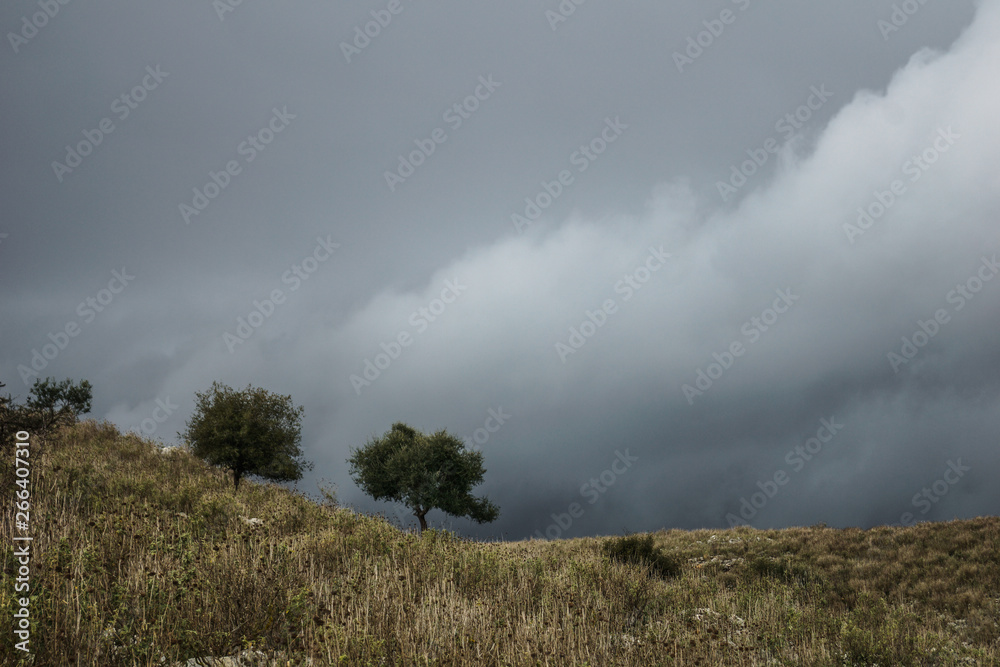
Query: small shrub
x=762 y=567
x=329 y=493
x=864 y=646
x=638 y=550
x=216 y=511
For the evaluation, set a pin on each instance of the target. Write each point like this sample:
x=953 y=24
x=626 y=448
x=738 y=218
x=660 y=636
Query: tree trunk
x=423 y=522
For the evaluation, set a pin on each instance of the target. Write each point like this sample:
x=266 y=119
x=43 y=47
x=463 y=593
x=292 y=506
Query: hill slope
x=141 y=558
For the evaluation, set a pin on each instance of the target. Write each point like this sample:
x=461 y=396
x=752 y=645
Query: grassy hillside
x=146 y=559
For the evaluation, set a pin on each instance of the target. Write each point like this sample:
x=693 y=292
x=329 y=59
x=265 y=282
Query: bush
x=638 y=550
x=785 y=571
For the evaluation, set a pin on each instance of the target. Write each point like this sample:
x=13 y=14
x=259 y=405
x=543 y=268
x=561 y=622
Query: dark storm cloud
x=667 y=267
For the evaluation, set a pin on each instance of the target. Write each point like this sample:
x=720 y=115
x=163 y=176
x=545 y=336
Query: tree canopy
x=249 y=432
x=49 y=404
x=55 y=400
x=423 y=472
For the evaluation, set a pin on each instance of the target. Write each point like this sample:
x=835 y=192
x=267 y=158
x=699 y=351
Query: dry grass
x=140 y=556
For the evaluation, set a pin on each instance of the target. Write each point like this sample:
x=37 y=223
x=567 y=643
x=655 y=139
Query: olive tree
x=423 y=472
x=249 y=432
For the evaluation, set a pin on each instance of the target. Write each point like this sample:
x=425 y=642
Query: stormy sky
x=667 y=265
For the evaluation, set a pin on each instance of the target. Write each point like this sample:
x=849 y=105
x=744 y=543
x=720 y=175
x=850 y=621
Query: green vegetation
x=640 y=550
x=423 y=472
x=50 y=404
x=249 y=432
x=142 y=558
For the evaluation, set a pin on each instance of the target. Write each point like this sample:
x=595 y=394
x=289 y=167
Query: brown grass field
x=143 y=559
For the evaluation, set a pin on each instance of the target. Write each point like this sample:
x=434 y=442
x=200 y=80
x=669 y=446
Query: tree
x=6 y=403
x=49 y=404
x=423 y=472
x=59 y=402
x=9 y=422
x=249 y=432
